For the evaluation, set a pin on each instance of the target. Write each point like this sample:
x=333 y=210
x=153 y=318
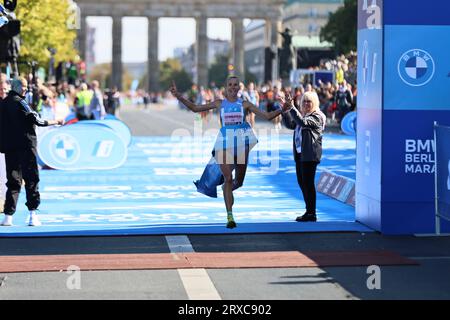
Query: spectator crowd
x=337 y=98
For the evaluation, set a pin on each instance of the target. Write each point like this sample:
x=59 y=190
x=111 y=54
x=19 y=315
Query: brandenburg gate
x=200 y=10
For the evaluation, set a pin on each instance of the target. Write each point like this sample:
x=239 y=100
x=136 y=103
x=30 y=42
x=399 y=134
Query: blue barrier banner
x=73 y=147
x=348 y=124
x=443 y=170
x=120 y=128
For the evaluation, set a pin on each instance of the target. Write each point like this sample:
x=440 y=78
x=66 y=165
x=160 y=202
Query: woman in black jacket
x=308 y=125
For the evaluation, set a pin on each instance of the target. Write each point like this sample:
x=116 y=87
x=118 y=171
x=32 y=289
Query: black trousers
x=306 y=172
x=21 y=165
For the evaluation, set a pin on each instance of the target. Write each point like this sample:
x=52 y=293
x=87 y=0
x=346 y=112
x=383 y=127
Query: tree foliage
x=341 y=29
x=171 y=69
x=44 y=25
x=218 y=71
x=102 y=73
x=250 y=77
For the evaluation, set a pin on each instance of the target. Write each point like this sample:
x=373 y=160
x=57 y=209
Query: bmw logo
x=416 y=67
x=64 y=149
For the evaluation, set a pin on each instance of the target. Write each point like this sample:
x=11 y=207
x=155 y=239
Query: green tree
x=182 y=79
x=218 y=71
x=250 y=77
x=102 y=73
x=171 y=69
x=44 y=24
x=341 y=29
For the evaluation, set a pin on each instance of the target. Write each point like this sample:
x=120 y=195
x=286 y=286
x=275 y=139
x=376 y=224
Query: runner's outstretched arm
x=266 y=115
x=192 y=106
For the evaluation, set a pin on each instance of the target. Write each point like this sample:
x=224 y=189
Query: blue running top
x=231 y=113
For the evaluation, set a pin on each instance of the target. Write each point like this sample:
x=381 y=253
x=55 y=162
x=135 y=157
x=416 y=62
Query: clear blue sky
x=173 y=33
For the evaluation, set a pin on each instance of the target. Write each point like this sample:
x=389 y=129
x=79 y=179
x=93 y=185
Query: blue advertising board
x=73 y=147
x=397 y=107
x=369 y=114
x=417 y=68
x=120 y=128
x=348 y=124
x=409 y=155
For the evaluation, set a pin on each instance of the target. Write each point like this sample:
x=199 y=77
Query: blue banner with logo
x=403 y=87
x=73 y=147
x=409 y=160
x=417 y=69
x=443 y=170
x=120 y=128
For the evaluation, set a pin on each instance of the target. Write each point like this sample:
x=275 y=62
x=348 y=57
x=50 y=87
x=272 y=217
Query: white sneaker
x=34 y=219
x=7 y=220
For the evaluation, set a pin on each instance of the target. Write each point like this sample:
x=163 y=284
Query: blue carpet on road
x=153 y=193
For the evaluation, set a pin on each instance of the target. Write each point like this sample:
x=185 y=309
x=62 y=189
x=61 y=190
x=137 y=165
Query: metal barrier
x=442 y=174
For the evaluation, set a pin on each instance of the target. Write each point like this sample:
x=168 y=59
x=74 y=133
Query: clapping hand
x=286 y=102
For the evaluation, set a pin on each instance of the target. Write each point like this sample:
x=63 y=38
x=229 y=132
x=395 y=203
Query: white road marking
x=196 y=282
x=178 y=244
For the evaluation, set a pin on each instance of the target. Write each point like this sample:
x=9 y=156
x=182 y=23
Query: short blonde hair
x=312 y=95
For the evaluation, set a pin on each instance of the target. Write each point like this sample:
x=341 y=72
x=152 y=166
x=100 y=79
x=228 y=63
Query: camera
x=3 y=19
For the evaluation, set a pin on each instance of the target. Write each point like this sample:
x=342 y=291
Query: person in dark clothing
x=309 y=124
x=18 y=142
x=344 y=99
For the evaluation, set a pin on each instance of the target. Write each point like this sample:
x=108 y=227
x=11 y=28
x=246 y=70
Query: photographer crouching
x=19 y=144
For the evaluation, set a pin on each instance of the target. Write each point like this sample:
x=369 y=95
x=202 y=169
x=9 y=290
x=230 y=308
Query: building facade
x=303 y=17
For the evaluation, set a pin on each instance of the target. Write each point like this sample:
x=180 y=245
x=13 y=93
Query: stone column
x=201 y=52
x=153 y=63
x=238 y=47
x=117 y=52
x=81 y=36
x=275 y=43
